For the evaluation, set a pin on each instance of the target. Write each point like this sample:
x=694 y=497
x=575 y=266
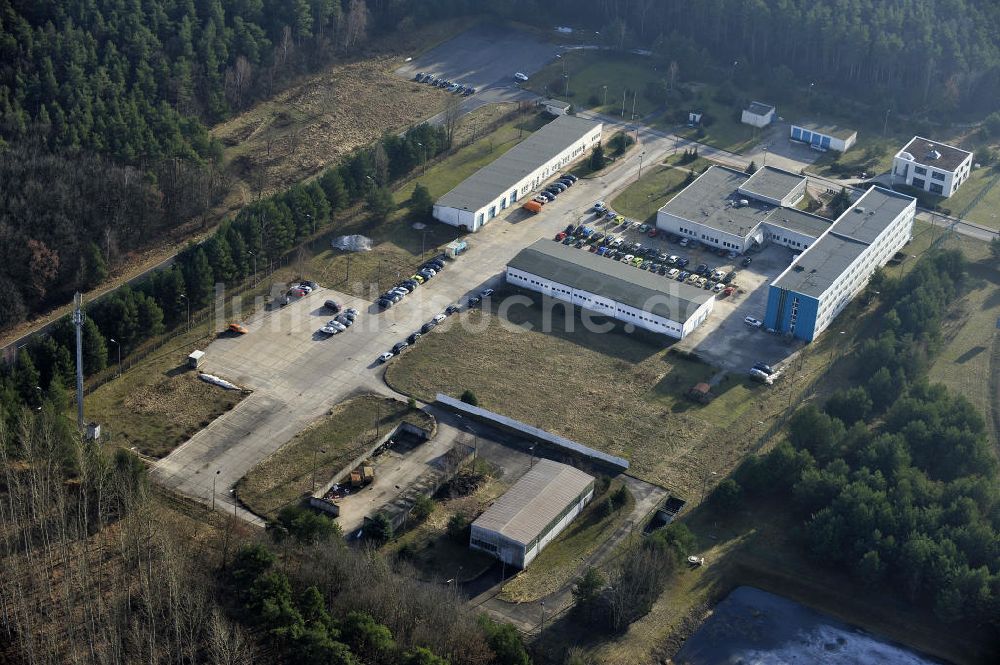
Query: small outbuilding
x=823 y=137
x=758 y=114
x=532 y=512
x=555 y=106
x=694 y=118
x=700 y=392
x=195 y=358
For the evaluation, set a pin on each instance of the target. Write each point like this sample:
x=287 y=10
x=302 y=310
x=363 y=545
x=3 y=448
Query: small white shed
x=194 y=359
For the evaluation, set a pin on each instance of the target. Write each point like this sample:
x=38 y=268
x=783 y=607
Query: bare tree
x=229 y=644
x=239 y=78
x=356 y=27
x=452 y=113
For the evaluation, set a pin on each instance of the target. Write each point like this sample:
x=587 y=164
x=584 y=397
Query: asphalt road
x=297 y=377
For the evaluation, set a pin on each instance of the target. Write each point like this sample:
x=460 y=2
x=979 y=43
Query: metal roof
x=799 y=221
x=713 y=200
x=827 y=129
x=527 y=509
x=759 y=108
x=771 y=183
x=617 y=281
x=922 y=151
x=557 y=103
x=491 y=181
x=532 y=432
x=818 y=267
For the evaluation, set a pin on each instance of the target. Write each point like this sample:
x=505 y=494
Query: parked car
x=560 y=236
x=746 y=261
x=683 y=275
x=398 y=347
x=384 y=303
x=568 y=240
x=702 y=269
x=329 y=330
x=486 y=293
x=344 y=321
x=570 y=176
x=719 y=286
x=469 y=90
x=599 y=206
x=452 y=309
x=412 y=339
x=427 y=327
x=332 y=305
x=652 y=233
x=763 y=367
x=419 y=279
x=682 y=262
x=684 y=242
x=730 y=276
x=518 y=76
x=473 y=301
x=752 y=322
x=673 y=272
x=238 y=329
x=383 y=357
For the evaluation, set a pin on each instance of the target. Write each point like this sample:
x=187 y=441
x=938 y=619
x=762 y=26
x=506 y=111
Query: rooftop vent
x=744 y=202
x=933 y=154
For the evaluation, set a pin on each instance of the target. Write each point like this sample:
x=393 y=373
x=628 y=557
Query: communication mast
x=78 y=323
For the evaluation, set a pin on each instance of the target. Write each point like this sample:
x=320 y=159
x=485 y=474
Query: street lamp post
x=254 y=255
x=885 y=123
x=605 y=95
x=214 y=478
x=119 y=346
x=542 y=627
x=531 y=449
x=639 y=176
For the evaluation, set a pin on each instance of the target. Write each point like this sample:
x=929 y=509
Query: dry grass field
x=312 y=125
x=159 y=404
x=621 y=393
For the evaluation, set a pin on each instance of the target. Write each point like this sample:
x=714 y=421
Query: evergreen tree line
x=98 y=569
x=263 y=231
x=103 y=146
x=896 y=480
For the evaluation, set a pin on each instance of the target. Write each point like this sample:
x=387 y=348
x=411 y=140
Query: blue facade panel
x=791 y=313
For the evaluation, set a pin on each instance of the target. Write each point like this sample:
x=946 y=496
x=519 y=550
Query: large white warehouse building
x=610 y=288
x=532 y=512
x=497 y=186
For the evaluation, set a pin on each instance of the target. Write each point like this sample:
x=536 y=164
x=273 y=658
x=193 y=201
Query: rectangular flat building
x=522 y=169
x=758 y=114
x=931 y=166
x=815 y=288
x=610 y=288
x=823 y=137
x=728 y=209
x=532 y=512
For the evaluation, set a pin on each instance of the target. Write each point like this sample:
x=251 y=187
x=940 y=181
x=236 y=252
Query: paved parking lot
x=296 y=376
x=484 y=57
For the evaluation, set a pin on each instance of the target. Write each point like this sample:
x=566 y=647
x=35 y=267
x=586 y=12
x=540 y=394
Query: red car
x=652 y=233
x=559 y=236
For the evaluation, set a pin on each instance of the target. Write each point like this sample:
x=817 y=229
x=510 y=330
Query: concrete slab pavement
x=297 y=377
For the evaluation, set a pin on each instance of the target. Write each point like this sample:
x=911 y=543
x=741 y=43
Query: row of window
x=482 y=544
x=621 y=311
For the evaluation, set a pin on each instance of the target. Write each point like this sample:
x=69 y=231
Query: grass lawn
x=721 y=124
x=158 y=404
x=756 y=546
x=286 y=476
x=869 y=155
x=987 y=210
x=658 y=185
x=559 y=563
x=397 y=247
x=589 y=72
x=619 y=392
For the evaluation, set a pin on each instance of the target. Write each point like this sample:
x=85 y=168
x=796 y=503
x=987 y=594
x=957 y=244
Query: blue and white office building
x=818 y=285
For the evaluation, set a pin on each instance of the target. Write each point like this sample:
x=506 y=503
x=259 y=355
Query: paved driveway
x=296 y=376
